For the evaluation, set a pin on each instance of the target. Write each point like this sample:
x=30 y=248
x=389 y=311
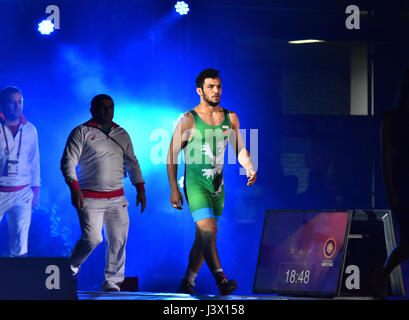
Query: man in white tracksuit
x=19 y=169
x=95 y=159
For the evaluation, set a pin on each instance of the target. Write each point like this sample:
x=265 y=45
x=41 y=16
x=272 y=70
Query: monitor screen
x=301 y=252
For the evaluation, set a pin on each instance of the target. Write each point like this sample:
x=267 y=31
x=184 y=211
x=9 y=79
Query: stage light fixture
x=46 y=27
x=305 y=41
x=182 y=7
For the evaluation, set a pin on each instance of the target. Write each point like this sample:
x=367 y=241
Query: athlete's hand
x=77 y=199
x=252 y=175
x=176 y=199
x=141 y=198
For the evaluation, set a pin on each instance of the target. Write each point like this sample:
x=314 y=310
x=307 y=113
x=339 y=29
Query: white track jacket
x=24 y=148
x=99 y=160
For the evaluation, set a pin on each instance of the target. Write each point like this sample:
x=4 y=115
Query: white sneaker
x=109 y=286
x=74 y=270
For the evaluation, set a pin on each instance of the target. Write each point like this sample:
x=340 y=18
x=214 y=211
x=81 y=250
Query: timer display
x=292 y=276
x=301 y=251
x=296 y=276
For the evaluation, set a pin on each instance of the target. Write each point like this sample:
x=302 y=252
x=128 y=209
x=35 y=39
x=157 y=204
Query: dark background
x=310 y=150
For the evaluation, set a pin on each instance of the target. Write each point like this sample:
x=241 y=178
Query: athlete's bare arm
x=243 y=156
x=180 y=138
x=387 y=163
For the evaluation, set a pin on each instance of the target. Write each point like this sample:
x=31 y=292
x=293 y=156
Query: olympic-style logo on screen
x=330 y=247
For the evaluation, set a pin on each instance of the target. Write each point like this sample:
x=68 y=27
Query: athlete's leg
x=7 y=200
x=207 y=231
x=19 y=219
x=201 y=207
x=225 y=286
x=196 y=260
x=116 y=221
x=196 y=257
x=206 y=211
x=91 y=219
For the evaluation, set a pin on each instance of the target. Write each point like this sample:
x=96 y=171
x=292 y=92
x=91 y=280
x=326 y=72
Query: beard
x=211 y=103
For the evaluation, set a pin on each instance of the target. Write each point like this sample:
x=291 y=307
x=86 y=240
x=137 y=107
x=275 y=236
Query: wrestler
x=203 y=133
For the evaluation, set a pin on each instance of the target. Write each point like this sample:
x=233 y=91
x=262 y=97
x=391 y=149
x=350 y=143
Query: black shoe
x=226 y=287
x=380 y=284
x=186 y=287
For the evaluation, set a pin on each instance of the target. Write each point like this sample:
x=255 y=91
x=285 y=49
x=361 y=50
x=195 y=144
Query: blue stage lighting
x=182 y=7
x=46 y=27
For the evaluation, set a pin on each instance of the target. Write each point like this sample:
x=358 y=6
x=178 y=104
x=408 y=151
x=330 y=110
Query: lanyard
x=7 y=144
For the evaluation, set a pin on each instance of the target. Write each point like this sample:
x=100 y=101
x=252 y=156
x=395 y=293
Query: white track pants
x=17 y=205
x=110 y=215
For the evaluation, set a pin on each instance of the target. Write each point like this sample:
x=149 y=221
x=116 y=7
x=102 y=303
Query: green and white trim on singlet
x=204 y=158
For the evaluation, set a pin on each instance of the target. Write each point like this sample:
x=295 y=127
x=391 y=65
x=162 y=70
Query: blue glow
x=182 y=7
x=46 y=27
x=150 y=73
x=150 y=126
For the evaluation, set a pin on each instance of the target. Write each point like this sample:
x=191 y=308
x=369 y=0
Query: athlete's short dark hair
x=206 y=73
x=6 y=92
x=97 y=100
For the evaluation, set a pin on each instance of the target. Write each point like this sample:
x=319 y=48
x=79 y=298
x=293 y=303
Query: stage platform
x=99 y=295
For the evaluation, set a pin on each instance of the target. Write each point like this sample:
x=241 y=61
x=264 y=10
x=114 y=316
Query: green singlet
x=204 y=158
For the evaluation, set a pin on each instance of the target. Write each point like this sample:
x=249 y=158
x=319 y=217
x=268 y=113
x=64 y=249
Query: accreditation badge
x=12 y=166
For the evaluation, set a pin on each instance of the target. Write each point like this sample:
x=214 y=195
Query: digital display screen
x=301 y=252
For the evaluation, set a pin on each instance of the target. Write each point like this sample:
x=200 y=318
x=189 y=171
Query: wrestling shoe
x=109 y=286
x=226 y=287
x=186 y=287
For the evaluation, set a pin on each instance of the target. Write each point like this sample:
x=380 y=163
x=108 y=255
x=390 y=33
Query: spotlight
x=305 y=41
x=46 y=27
x=182 y=7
